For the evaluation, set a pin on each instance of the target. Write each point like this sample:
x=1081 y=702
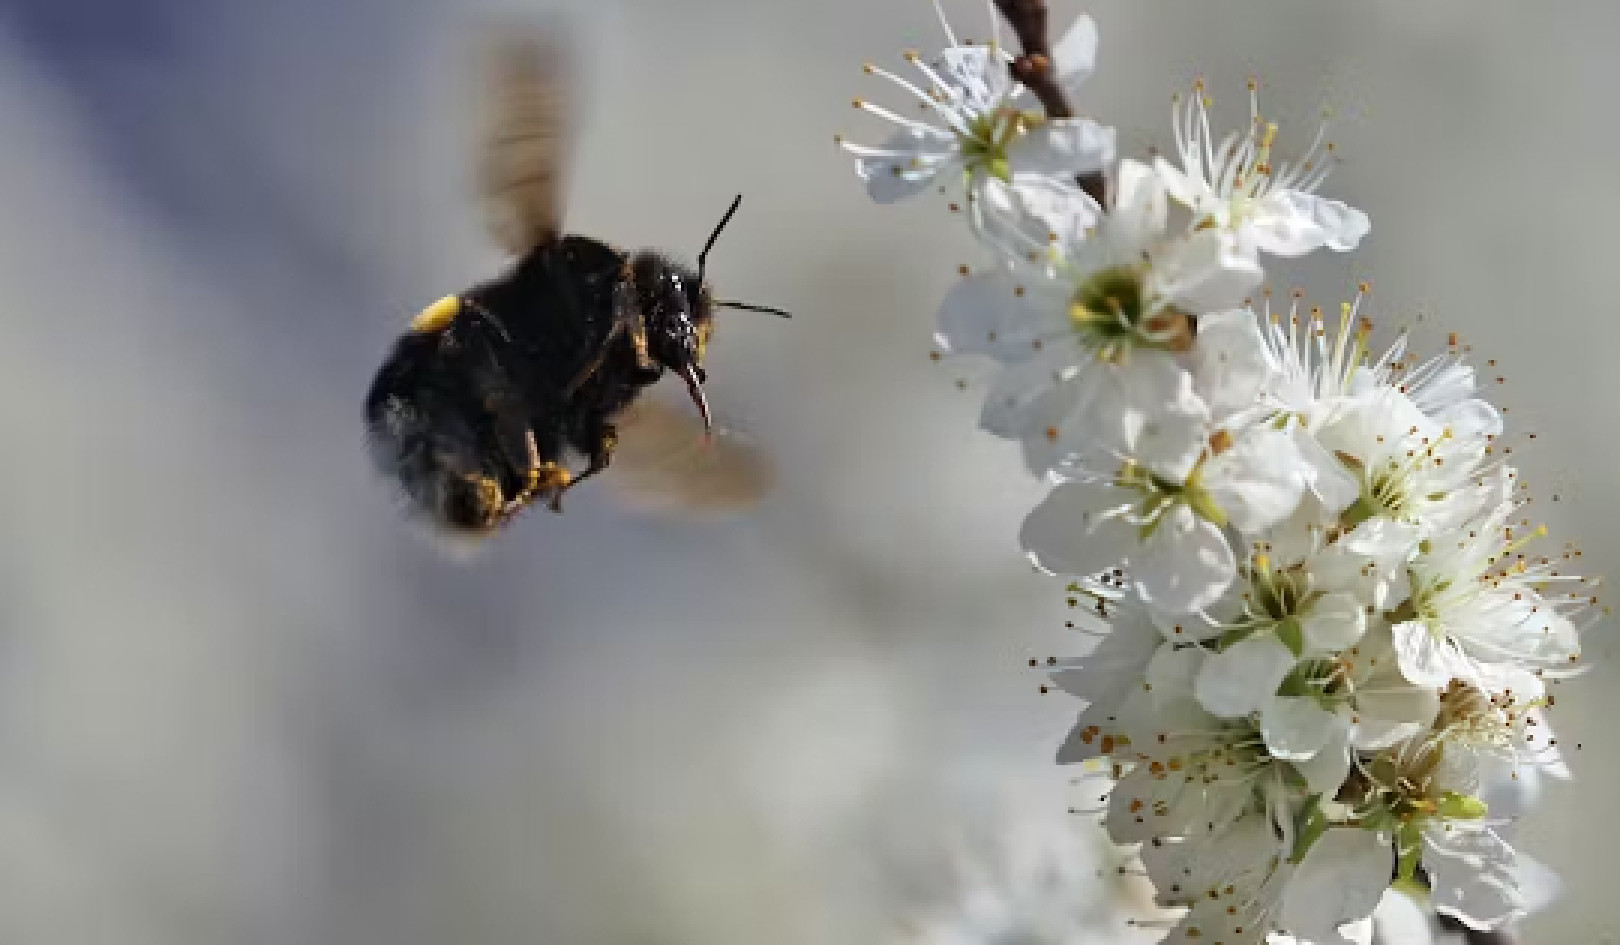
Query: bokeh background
x=240 y=702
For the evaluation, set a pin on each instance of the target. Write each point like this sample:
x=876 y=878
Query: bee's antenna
x=750 y=307
x=703 y=257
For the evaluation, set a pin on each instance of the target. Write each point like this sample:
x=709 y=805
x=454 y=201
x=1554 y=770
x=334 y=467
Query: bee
x=489 y=391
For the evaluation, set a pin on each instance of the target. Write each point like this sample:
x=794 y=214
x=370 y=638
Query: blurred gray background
x=241 y=702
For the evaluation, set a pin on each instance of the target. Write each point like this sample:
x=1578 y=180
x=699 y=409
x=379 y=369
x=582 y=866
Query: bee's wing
x=523 y=133
x=662 y=465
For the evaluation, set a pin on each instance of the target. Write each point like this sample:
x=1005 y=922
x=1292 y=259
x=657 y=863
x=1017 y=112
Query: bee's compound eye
x=470 y=503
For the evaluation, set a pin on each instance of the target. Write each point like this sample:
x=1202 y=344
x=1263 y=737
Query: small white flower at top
x=1238 y=187
x=1018 y=168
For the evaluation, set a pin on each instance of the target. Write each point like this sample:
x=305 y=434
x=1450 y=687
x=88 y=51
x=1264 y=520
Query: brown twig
x=1033 y=67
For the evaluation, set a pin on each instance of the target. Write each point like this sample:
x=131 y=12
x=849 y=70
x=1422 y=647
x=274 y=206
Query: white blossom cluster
x=1327 y=635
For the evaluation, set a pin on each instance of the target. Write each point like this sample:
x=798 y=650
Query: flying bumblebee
x=488 y=391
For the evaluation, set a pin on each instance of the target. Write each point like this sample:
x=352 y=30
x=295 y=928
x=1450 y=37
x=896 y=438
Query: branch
x=1033 y=68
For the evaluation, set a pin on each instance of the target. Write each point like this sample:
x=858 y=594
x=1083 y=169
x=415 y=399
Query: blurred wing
x=524 y=126
x=662 y=466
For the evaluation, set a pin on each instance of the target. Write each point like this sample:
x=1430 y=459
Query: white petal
x=1067 y=534
x=922 y=159
x=1296 y=728
x=1375 y=734
x=1425 y=660
x=1387 y=707
x=1063 y=148
x=1400 y=919
x=1168 y=442
x=985 y=313
x=1508 y=787
x=1341 y=880
x=1206 y=272
x=1329 y=481
x=1383 y=540
x=1075 y=53
x=1293 y=223
x=1472 y=418
x=1472 y=874
x=1325 y=771
x=1108 y=672
x=1140 y=209
x=1172 y=669
x=1183 y=188
x=978 y=74
x=1031 y=213
x=1258 y=482
x=1185 y=565
x=1146 y=409
x=1042 y=454
x=1085 y=739
x=1244 y=677
x=1013 y=406
x=1229 y=360
x=1333 y=623
x=1538 y=885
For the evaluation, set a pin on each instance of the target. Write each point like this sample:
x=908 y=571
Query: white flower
x=1473 y=602
x=1410 y=468
x=1443 y=387
x=1313 y=369
x=1229 y=362
x=1244 y=881
x=1426 y=791
x=1236 y=188
x=1052 y=378
x=1190 y=771
x=1090 y=341
x=1018 y=166
x=1104 y=678
x=1169 y=517
x=1318 y=712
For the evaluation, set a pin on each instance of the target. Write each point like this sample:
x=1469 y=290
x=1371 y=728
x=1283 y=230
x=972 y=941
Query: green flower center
x=1161 y=495
x=984 y=145
x=1112 y=313
x=1276 y=602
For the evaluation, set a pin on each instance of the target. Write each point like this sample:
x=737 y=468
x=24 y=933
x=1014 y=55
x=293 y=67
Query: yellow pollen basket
x=438 y=316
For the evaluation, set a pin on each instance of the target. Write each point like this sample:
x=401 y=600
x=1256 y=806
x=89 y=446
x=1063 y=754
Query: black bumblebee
x=488 y=391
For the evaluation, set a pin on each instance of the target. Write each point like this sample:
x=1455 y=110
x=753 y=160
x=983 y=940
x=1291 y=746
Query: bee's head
x=676 y=308
x=429 y=433
x=679 y=311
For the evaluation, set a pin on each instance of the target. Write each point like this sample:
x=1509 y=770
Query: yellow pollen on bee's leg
x=548 y=477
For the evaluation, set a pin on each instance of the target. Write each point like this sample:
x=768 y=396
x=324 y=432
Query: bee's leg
x=541 y=477
x=638 y=338
x=601 y=455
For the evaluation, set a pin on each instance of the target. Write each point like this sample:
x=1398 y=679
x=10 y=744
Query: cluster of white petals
x=1325 y=637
